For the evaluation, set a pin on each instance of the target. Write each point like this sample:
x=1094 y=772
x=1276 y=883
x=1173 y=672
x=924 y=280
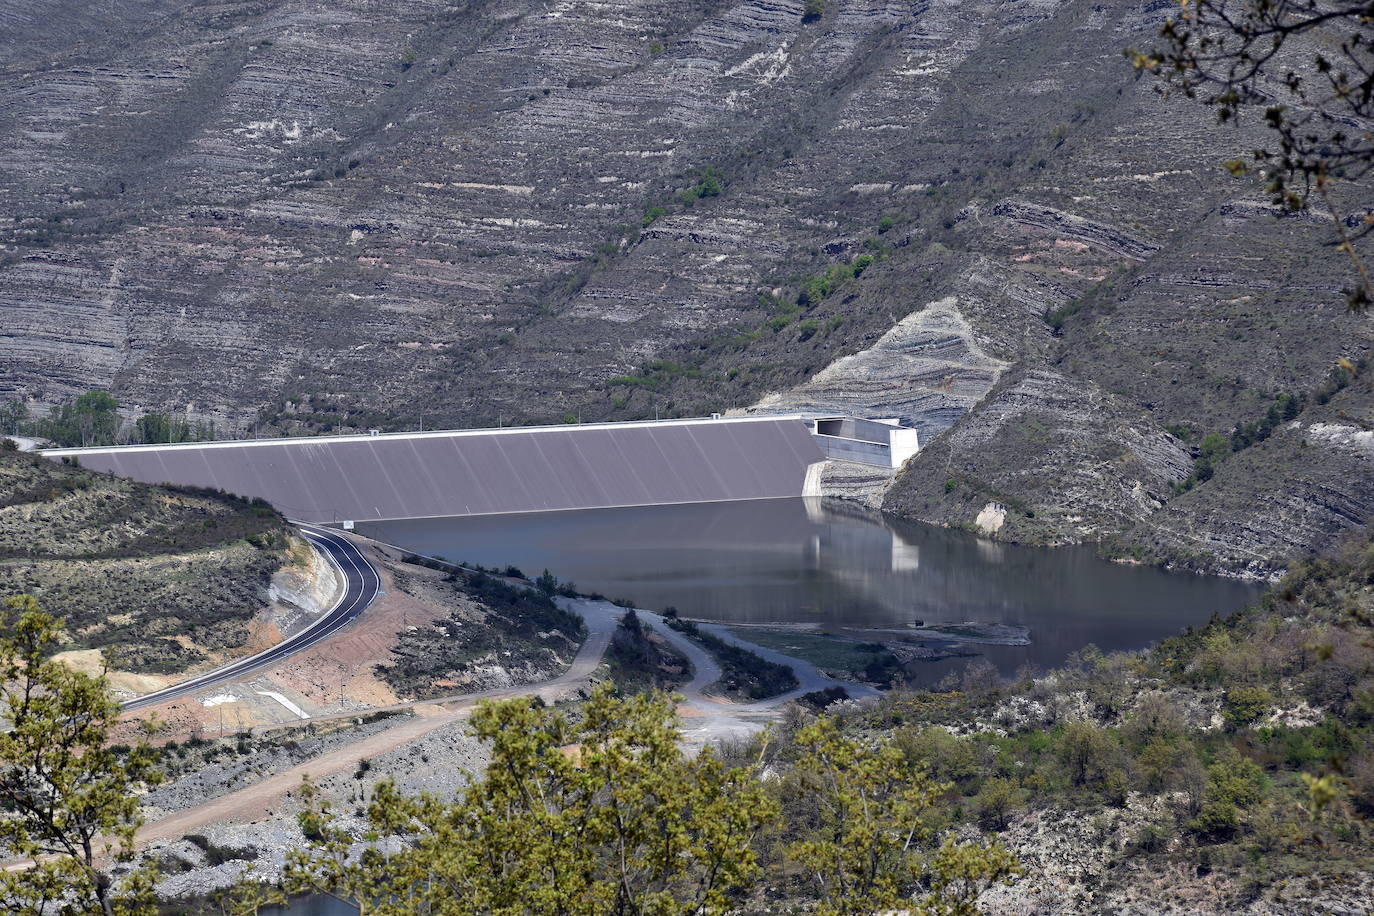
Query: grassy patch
x=861 y=660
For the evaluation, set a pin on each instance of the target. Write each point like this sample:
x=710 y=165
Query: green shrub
x=1160 y=762
x=1216 y=821
x=1235 y=780
x=547 y=582
x=1243 y=705
x=994 y=804
x=813 y=10
x=947 y=758
x=1362 y=784
x=1088 y=753
x=818 y=287
x=708 y=186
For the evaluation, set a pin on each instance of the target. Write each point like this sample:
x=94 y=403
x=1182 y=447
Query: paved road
x=361 y=586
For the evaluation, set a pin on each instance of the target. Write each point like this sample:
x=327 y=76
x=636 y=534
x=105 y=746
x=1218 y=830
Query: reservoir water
x=836 y=565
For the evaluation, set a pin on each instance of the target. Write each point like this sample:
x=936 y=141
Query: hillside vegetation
x=640 y=659
x=1231 y=766
x=1228 y=770
x=156 y=576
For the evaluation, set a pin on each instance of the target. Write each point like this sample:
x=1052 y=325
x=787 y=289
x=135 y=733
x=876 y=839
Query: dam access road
x=361 y=584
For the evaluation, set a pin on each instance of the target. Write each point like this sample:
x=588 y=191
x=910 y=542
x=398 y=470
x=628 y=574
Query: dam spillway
x=332 y=479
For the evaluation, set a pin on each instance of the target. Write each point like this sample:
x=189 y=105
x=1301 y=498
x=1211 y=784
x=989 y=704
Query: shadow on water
x=836 y=564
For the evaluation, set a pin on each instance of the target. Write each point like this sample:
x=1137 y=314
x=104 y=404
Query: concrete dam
x=338 y=479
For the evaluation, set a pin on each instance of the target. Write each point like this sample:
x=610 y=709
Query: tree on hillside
x=91 y=419
x=95 y=417
x=865 y=814
x=603 y=815
x=68 y=801
x=1309 y=67
x=13 y=414
x=161 y=427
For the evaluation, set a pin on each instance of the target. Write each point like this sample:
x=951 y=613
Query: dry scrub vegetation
x=156 y=576
x=495 y=635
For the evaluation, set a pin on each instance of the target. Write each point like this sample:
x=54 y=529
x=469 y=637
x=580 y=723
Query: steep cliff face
x=440 y=209
x=1051 y=458
x=301 y=216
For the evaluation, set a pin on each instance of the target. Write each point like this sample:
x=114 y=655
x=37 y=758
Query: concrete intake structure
x=330 y=479
x=883 y=443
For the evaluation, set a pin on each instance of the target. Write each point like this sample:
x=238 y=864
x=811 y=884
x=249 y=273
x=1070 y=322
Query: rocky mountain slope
x=187 y=571
x=287 y=216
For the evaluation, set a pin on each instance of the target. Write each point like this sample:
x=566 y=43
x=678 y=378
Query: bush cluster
x=1215 y=447
x=743 y=673
x=1109 y=726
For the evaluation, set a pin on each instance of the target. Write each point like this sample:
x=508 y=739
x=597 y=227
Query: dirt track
x=257 y=801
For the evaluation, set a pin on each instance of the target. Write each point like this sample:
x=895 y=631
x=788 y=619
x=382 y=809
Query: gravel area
x=437 y=763
x=235 y=771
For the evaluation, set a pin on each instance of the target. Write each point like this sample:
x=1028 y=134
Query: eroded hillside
x=155 y=576
x=301 y=217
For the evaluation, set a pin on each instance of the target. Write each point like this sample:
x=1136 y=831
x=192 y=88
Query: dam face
x=489 y=471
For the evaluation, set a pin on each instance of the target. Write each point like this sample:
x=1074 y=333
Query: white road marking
x=299 y=713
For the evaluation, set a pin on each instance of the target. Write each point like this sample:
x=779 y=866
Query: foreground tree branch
x=1308 y=67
